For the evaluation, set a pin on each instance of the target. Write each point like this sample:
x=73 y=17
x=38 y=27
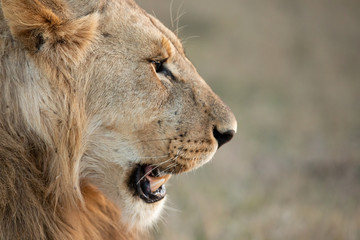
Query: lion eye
x=161 y=69
x=158 y=65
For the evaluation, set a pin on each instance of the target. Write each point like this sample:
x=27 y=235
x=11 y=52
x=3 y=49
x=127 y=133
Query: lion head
x=100 y=92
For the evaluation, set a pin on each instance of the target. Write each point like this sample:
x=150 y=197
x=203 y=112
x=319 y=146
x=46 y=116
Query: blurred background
x=290 y=71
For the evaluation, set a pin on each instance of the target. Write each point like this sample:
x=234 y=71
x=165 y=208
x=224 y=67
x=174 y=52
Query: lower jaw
x=139 y=185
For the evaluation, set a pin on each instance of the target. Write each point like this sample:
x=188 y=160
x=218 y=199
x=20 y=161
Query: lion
x=99 y=108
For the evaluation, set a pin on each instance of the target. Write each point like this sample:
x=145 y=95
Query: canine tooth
x=156 y=182
x=154 y=185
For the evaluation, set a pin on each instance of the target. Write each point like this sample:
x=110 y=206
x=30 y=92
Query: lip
x=146 y=183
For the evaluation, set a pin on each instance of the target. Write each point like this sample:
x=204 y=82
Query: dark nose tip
x=224 y=137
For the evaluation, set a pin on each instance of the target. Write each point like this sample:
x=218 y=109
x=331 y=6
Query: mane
x=42 y=129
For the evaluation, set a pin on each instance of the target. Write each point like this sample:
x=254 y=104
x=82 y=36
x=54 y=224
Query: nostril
x=224 y=137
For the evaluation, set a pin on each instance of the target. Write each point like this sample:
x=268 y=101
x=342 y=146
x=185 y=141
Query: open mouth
x=149 y=183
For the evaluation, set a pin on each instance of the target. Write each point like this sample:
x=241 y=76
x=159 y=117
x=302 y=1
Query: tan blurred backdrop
x=290 y=71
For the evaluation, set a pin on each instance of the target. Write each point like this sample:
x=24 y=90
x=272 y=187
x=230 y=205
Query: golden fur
x=81 y=105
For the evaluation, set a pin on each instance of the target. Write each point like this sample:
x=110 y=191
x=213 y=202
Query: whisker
x=171 y=13
x=153 y=13
x=169 y=167
x=179 y=29
x=147 y=173
x=127 y=141
x=155 y=157
x=179 y=14
x=158 y=165
x=150 y=140
x=185 y=40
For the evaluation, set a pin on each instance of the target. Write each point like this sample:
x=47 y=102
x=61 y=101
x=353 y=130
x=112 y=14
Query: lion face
x=151 y=114
x=147 y=114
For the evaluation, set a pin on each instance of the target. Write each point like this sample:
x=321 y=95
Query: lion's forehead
x=128 y=24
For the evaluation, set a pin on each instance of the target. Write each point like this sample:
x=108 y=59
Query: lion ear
x=40 y=30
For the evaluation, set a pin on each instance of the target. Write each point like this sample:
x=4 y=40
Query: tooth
x=154 y=185
x=166 y=177
x=156 y=182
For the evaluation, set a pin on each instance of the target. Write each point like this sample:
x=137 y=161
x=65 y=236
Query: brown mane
x=39 y=196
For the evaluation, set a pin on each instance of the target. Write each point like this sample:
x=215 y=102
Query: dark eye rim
x=158 y=65
x=161 y=69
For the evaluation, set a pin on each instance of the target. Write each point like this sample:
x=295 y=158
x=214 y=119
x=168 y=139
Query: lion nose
x=223 y=137
x=225 y=125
